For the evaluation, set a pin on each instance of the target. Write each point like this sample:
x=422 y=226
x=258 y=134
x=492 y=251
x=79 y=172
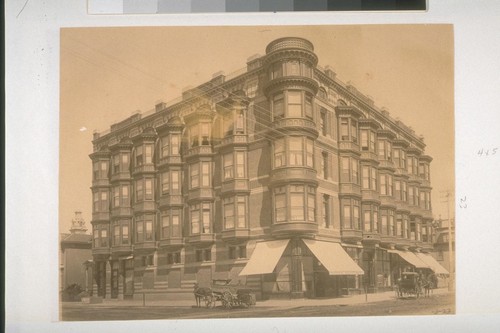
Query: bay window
x=424 y=171
x=121 y=162
x=293 y=151
x=348 y=129
x=294 y=203
x=384 y=221
x=234 y=212
x=294 y=99
x=200 y=218
x=369 y=177
x=367 y=140
x=144 y=189
x=278 y=106
x=298 y=104
x=370 y=218
x=386 y=184
x=100 y=201
x=234 y=165
x=175 y=180
x=144 y=228
x=165 y=146
x=391 y=223
x=400 y=158
x=165 y=182
x=349 y=170
x=350 y=214
x=399 y=226
x=384 y=150
x=100 y=170
x=195 y=175
x=170 y=226
x=195 y=170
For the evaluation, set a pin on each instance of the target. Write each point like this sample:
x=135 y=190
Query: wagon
x=231 y=295
x=409 y=285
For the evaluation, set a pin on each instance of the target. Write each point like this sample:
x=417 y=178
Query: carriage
x=228 y=295
x=409 y=285
x=231 y=295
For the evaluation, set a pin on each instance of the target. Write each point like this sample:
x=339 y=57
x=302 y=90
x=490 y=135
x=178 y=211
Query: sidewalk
x=280 y=303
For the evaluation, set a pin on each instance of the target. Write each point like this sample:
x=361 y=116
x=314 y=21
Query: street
x=435 y=305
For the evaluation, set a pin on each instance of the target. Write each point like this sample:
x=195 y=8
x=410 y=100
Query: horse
x=427 y=285
x=202 y=294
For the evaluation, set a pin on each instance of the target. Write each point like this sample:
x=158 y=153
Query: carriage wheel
x=209 y=301
x=227 y=300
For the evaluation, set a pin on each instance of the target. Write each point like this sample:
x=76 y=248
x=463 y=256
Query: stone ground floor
x=285 y=268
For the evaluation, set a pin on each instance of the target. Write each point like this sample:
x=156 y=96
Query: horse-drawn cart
x=409 y=285
x=231 y=295
x=228 y=295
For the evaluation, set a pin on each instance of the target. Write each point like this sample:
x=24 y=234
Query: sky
x=107 y=74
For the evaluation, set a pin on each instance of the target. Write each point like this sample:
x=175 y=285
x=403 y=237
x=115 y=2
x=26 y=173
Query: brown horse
x=202 y=294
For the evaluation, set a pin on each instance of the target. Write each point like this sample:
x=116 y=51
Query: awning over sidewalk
x=333 y=257
x=411 y=258
x=265 y=257
x=433 y=264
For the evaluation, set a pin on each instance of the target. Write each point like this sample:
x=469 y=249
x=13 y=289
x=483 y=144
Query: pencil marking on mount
x=17 y=16
x=463 y=202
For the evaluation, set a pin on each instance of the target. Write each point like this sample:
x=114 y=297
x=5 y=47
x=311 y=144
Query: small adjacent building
x=76 y=255
x=280 y=177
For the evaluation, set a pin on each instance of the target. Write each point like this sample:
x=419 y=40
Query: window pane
x=228 y=166
x=229 y=214
x=347 y=217
x=311 y=207
x=355 y=216
x=195 y=221
x=364 y=139
x=366 y=220
x=175 y=180
x=297 y=206
x=278 y=106
x=206 y=222
x=279 y=148
x=344 y=129
x=164 y=182
x=366 y=177
x=294 y=103
x=355 y=173
x=309 y=153
x=195 y=180
x=164 y=146
x=149 y=189
x=125 y=234
x=205 y=170
x=176 y=231
x=241 y=213
x=175 y=144
x=240 y=164
x=149 y=154
x=149 y=230
x=280 y=207
x=294 y=97
x=309 y=106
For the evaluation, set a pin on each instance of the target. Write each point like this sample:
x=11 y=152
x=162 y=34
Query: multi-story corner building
x=280 y=177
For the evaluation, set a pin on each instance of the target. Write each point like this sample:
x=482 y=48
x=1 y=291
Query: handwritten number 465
x=487 y=152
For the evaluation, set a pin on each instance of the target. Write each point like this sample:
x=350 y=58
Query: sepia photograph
x=256 y=171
